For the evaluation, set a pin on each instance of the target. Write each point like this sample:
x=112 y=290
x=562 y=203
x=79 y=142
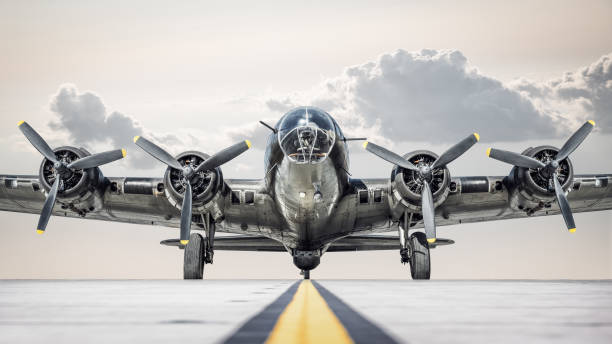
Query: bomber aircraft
x=307 y=204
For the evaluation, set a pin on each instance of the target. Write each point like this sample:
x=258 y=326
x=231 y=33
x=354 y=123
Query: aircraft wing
x=486 y=199
x=250 y=210
x=474 y=199
x=143 y=201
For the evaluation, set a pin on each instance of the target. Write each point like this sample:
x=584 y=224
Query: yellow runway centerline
x=308 y=319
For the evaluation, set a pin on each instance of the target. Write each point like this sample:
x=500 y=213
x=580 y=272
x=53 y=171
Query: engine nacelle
x=406 y=186
x=530 y=189
x=81 y=191
x=207 y=186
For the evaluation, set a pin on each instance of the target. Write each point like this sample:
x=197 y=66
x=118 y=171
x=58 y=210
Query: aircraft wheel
x=193 y=263
x=420 y=267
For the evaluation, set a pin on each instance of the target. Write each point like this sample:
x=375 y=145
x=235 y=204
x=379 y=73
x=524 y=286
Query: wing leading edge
x=251 y=211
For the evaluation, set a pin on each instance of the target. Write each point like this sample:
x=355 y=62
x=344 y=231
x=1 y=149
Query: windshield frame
x=313 y=132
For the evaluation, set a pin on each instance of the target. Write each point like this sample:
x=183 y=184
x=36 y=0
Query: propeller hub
x=188 y=172
x=550 y=168
x=62 y=170
x=425 y=172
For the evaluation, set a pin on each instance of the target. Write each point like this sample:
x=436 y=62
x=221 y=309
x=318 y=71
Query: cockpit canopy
x=306 y=135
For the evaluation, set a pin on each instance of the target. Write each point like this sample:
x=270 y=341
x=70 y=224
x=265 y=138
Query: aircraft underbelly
x=294 y=187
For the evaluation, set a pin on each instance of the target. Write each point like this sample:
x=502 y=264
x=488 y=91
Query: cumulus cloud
x=84 y=117
x=577 y=96
x=437 y=96
x=433 y=96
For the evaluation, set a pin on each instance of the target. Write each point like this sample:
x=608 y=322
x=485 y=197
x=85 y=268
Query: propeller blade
x=514 y=158
x=575 y=140
x=566 y=211
x=186 y=215
x=45 y=214
x=224 y=156
x=427 y=208
x=157 y=152
x=97 y=159
x=37 y=141
x=456 y=151
x=388 y=155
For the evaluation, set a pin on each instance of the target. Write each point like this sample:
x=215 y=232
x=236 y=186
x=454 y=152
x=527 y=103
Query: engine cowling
x=532 y=188
x=81 y=190
x=406 y=184
x=206 y=185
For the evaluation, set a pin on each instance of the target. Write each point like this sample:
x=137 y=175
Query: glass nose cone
x=306 y=135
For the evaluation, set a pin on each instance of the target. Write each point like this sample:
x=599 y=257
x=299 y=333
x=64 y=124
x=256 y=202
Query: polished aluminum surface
x=307 y=204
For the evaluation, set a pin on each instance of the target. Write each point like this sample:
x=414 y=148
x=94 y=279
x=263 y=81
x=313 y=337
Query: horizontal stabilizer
x=374 y=243
x=239 y=243
x=346 y=244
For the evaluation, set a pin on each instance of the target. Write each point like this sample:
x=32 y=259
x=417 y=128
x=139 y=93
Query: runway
x=252 y=311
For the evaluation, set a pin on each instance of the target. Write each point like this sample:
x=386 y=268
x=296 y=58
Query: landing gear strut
x=306 y=274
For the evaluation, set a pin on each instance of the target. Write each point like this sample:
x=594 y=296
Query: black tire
x=420 y=267
x=193 y=263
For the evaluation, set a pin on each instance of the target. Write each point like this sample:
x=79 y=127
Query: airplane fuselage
x=307 y=187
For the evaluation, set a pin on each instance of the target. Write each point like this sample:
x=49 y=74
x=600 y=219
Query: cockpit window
x=306 y=135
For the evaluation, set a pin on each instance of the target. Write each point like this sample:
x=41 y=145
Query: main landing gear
x=415 y=251
x=420 y=267
x=194 y=261
x=198 y=252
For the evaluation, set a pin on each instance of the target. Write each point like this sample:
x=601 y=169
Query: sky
x=409 y=75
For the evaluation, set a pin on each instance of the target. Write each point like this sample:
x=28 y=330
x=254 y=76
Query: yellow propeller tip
x=136 y=138
x=20 y=123
x=40 y=231
x=184 y=242
x=365 y=144
x=592 y=122
x=248 y=143
x=431 y=241
x=572 y=230
x=123 y=152
x=488 y=151
x=477 y=136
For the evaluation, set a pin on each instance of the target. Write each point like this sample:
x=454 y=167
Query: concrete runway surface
x=277 y=311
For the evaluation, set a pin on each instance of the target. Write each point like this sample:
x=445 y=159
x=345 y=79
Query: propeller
x=550 y=169
x=425 y=175
x=61 y=169
x=189 y=173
